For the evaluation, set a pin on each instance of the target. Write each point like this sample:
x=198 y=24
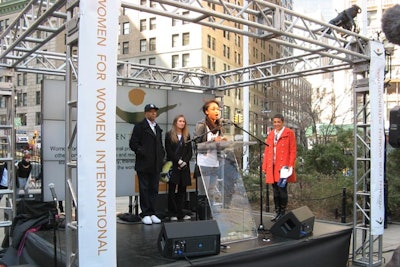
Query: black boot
x=277 y=209
x=277 y=216
x=281 y=214
x=282 y=210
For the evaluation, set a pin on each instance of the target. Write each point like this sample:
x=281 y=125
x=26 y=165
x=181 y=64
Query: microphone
x=226 y=121
x=391 y=24
x=53 y=192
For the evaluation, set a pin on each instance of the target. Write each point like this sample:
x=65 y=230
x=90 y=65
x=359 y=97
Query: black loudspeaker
x=394 y=127
x=189 y=239
x=203 y=208
x=295 y=224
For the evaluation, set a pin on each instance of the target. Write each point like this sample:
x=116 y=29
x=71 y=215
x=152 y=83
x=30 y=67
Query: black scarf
x=214 y=127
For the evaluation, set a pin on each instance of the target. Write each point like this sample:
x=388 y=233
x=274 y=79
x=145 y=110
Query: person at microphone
x=279 y=162
x=179 y=151
x=209 y=129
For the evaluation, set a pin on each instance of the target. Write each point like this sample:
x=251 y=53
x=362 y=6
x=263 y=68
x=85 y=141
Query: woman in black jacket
x=24 y=169
x=179 y=151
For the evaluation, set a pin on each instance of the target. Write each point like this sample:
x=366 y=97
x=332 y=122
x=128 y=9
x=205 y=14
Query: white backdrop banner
x=376 y=78
x=97 y=90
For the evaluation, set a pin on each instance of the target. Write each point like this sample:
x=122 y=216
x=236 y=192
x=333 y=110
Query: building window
x=2 y=102
x=21 y=119
x=152 y=61
x=213 y=43
x=152 y=44
x=174 y=22
x=125 y=28
x=39 y=78
x=185 y=60
x=143 y=25
x=24 y=99
x=211 y=63
x=19 y=79
x=125 y=48
x=175 y=61
x=143 y=45
x=175 y=38
x=185 y=14
x=208 y=41
x=238 y=93
x=143 y=2
x=37 y=98
x=227 y=35
x=37 y=118
x=24 y=78
x=185 y=38
x=142 y=61
x=226 y=113
x=152 y=23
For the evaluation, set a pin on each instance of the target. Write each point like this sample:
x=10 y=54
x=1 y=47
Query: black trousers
x=148 y=192
x=280 y=196
x=176 y=199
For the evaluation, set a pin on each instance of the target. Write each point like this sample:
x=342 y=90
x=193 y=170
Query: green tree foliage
x=330 y=158
x=393 y=181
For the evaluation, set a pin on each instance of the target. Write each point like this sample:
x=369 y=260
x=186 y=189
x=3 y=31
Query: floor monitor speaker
x=189 y=239
x=295 y=224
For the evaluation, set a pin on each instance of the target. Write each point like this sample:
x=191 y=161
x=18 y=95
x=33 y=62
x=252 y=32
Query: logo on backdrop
x=137 y=96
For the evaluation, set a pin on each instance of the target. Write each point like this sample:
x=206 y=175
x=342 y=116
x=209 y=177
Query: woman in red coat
x=280 y=152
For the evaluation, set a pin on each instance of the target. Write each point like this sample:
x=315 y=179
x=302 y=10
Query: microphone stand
x=53 y=215
x=260 y=143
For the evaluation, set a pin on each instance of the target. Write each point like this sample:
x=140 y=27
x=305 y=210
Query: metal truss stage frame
x=311 y=50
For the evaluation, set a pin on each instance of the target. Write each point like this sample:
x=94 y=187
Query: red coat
x=285 y=155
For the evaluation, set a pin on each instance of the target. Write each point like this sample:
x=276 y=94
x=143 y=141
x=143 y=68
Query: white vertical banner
x=376 y=79
x=96 y=135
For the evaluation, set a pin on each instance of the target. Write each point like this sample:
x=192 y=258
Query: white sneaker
x=187 y=217
x=147 y=220
x=173 y=218
x=155 y=219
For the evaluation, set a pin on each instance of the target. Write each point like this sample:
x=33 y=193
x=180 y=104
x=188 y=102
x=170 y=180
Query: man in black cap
x=146 y=142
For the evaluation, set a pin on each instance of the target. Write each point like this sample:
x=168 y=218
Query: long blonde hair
x=174 y=132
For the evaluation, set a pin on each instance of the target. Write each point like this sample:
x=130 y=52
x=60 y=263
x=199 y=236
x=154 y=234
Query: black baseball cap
x=149 y=107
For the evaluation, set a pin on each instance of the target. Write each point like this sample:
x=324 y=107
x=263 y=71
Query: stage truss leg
x=71 y=220
x=367 y=248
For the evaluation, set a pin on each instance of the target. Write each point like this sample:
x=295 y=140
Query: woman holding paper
x=279 y=162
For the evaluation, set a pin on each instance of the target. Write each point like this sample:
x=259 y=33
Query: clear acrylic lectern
x=222 y=184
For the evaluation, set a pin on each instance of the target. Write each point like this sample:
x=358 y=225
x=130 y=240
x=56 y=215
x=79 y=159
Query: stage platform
x=137 y=245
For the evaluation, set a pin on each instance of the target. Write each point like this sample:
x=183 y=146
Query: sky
x=325 y=7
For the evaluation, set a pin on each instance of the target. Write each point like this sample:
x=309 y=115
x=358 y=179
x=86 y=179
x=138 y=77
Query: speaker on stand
x=295 y=224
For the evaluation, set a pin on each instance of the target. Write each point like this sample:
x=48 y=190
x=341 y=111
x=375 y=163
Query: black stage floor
x=137 y=245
